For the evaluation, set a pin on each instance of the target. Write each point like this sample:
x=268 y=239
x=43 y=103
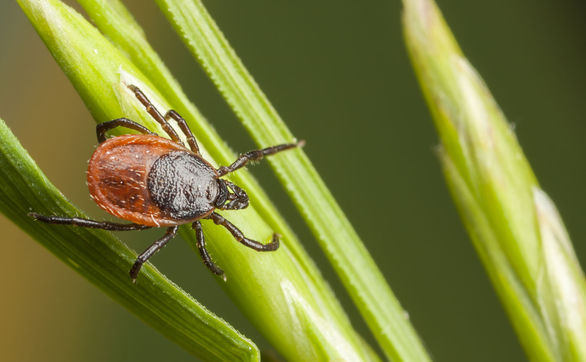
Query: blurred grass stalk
x=515 y=227
x=282 y=293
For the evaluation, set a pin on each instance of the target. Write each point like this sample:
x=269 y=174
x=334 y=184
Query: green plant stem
x=515 y=227
x=351 y=260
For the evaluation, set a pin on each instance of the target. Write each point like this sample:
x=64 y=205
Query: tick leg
x=76 y=221
x=151 y=250
x=201 y=245
x=256 y=155
x=150 y=108
x=185 y=128
x=102 y=128
x=220 y=220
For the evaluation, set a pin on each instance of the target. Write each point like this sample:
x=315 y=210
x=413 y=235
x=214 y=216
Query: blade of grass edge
x=346 y=252
x=102 y=259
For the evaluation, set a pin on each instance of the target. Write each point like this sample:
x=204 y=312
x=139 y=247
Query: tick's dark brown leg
x=156 y=246
x=150 y=108
x=185 y=128
x=201 y=245
x=102 y=128
x=86 y=223
x=257 y=155
x=220 y=220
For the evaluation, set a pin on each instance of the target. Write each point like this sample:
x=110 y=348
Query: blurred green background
x=338 y=73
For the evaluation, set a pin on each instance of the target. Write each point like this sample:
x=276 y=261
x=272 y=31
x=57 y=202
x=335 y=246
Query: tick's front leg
x=256 y=155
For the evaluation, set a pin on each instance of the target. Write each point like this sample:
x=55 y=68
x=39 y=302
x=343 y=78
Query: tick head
x=230 y=196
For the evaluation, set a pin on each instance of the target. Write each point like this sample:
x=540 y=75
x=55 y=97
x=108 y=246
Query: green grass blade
x=280 y=292
x=515 y=227
x=105 y=261
x=361 y=277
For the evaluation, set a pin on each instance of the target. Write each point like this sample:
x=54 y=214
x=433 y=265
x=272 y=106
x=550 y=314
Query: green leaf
x=281 y=292
x=514 y=225
x=105 y=261
x=351 y=260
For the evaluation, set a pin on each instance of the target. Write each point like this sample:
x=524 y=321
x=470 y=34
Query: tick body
x=153 y=181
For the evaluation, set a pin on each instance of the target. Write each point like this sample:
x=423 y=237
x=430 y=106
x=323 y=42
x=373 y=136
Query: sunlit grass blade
x=351 y=260
x=277 y=291
x=105 y=261
x=514 y=225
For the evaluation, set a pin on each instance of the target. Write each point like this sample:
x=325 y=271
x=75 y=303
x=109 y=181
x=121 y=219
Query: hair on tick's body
x=153 y=181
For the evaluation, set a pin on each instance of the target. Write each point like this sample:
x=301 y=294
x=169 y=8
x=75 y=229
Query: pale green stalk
x=277 y=291
x=351 y=260
x=515 y=227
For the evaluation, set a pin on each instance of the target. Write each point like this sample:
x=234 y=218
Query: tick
x=153 y=181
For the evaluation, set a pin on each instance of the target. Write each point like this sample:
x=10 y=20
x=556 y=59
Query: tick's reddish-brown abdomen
x=117 y=177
